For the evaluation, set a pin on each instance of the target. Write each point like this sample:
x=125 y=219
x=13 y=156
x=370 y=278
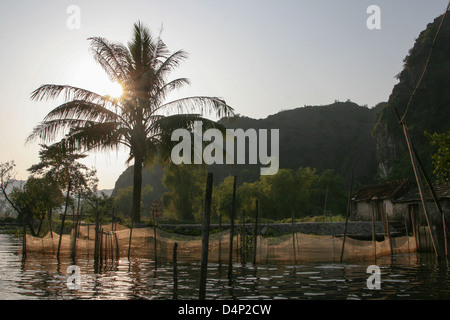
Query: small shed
x=379 y=200
x=410 y=202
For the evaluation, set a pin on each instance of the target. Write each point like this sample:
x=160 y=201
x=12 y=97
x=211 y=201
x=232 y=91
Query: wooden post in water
x=24 y=238
x=374 y=239
x=419 y=183
x=383 y=208
x=436 y=202
x=175 y=272
x=78 y=218
x=96 y=237
x=100 y=255
x=230 y=253
x=348 y=215
x=64 y=218
x=129 y=240
x=106 y=247
x=154 y=240
x=267 y=250
x=407 y=233
x=205 y=236
x=242 y=240
x=293 y=235
x=117 y=246
x=255 y=233
x=413 y=225
x=220 y=238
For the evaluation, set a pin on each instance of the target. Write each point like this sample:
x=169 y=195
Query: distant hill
x=430 y=107
x=343 y=134
x=334 y=137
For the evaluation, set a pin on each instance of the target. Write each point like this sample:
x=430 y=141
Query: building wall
x=362 y=210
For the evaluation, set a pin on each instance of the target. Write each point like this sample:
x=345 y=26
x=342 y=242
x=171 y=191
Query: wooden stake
x=129 y=240
x=230 y=253
x=293 y=236
x=419 y=183
x=374 y=240
x=242 y=241
x=154 y=240
x=387 y=227
x=64 y=218
x=348 y=215
x=175 y=272
x=220 y=238
x=117 y=246
x=205 y=236
x=407 y=233
x=255 y=233
x=24 y=238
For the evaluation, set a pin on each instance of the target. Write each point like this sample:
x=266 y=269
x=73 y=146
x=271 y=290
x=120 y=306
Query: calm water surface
x=411 y=276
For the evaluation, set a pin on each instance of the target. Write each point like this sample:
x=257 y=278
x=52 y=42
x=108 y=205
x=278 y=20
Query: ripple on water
x=403 y=277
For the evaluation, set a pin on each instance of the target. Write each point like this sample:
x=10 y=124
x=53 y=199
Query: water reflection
x=409 y=276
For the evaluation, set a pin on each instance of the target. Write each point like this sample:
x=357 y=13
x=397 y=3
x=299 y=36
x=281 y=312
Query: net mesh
x=296 y=248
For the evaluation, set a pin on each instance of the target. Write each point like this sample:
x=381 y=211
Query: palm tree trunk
x=137 y=188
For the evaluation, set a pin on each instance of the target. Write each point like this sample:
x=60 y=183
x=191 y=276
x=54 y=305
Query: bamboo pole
x=407 y=233
x=129 y=240
x=419 y=183
x=255 y=233
x=230 y=252
x=24 y=238
x=293 y=235
x=205 y=236
x=374 y=240
x=348 y=215
x=100 y=255
x=117 y=246
x=96 y=237
x=220 y=239
x=154 y=240
x=243 y=239
x=175 y=272
x=435 y=200
x=413 y=225
x=74 y=243
x=267 y=232
x=383 y=206
x=64 y=218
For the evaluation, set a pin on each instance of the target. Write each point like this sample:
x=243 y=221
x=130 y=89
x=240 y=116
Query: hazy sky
x=260 y=56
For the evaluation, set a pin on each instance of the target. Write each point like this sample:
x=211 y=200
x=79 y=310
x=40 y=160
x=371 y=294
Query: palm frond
x=200 y=104
x=53 y=91
x=170 y=63
x=98 y=136
x=112 y=57
x=48 y=131
x=82 y=110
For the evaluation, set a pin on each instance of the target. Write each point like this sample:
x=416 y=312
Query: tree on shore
x=141 y=119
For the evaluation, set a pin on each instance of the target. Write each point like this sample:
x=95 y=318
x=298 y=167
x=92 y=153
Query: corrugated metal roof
x=386 y=190
x=442 y=192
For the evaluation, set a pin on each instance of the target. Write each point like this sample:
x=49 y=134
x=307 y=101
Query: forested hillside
x=429 y=110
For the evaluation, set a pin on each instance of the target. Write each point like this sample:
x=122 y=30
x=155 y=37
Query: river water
x=405 y=277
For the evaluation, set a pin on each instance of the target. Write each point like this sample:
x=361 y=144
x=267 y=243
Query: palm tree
x=141 y=119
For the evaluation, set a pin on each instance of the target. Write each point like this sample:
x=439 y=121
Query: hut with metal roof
x=378 y=201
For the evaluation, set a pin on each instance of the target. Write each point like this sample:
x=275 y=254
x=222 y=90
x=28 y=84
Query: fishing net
x=297 y=248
